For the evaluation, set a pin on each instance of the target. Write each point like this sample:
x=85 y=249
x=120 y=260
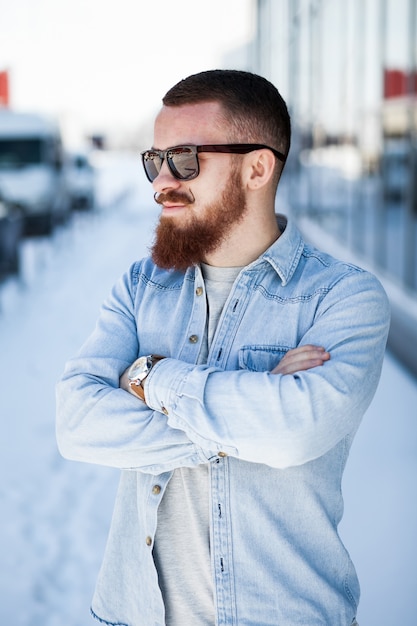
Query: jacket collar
x=285 y=252
x=283 y=255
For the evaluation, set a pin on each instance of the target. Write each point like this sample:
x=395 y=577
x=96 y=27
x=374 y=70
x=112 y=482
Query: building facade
x=348 y=71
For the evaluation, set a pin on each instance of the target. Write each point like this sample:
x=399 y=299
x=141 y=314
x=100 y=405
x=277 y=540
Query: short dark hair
x=253 y=107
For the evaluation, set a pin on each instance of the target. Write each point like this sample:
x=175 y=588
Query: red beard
x=180 y=247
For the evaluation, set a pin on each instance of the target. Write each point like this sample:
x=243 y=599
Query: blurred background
x=80 y=84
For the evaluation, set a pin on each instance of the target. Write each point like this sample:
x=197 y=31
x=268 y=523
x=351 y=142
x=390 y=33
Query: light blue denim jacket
x=276 y=445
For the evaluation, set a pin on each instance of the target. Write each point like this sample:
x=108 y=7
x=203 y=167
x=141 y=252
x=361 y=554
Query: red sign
x=4 y=89
x=398 y=83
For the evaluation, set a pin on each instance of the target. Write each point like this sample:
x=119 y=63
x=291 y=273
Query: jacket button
x=199 y=291
x=156 y=489
x=193 y=338
x=164 y=410
x=148 y=541
x=221 y=454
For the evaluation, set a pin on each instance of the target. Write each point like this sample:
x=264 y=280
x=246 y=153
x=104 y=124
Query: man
x=258 y=356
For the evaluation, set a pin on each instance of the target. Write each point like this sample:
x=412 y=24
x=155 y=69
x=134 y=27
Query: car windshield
x=19 y=152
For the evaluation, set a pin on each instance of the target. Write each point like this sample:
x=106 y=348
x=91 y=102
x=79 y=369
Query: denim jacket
x=276 y=445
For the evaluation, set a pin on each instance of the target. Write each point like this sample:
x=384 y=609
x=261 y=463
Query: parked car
x=80 y=180
x=11 y=230
x=31 y=169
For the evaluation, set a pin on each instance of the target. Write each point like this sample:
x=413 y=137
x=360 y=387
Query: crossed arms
x=296 y=360
x=287 y=416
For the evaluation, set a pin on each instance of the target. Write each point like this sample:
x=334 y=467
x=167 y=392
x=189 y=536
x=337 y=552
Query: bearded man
x=226 y=378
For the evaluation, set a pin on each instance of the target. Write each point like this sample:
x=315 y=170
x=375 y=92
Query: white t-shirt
x=182 y=541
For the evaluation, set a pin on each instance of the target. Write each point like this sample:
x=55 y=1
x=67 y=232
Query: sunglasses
x=183 y=162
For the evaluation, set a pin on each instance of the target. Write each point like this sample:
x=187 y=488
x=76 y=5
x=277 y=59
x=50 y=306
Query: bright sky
x=99 y=63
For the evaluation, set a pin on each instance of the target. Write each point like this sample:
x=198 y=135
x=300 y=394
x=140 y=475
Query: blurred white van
x=31 y=169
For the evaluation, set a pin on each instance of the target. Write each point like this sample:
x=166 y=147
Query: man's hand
x=302 y=358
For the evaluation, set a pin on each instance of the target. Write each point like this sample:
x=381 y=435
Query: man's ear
x=259 y=169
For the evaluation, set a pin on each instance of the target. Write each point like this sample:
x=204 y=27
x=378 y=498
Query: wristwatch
x=138 y=371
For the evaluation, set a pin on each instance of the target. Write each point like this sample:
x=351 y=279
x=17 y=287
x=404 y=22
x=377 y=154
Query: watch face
x=139 y=369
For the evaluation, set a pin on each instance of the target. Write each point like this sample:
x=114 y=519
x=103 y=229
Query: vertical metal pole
x=293 y=61
x=358 y=225
x=318 y=92
x=380 y=210
x=343 y=204
x=311 y=200
x=258 y=36
x=410 y=222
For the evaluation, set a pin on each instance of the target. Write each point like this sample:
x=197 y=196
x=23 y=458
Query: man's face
x=197 y=215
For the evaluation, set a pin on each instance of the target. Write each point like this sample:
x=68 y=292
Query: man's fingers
x=301 y=359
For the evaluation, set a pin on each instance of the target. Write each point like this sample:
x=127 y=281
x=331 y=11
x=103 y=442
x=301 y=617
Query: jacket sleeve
x=97 y=422
x=285 y=420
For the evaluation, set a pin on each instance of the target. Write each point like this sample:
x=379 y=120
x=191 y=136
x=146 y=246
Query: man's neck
x=246 y=242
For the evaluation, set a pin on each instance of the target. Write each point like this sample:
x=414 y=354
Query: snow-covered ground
x=55 y=514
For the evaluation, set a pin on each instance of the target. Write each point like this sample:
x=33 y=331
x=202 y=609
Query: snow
x=55 y=514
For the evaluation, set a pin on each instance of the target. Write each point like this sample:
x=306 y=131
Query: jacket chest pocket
x=260 y=358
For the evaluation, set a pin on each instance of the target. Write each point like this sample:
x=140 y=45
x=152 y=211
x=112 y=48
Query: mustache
x=174 y=196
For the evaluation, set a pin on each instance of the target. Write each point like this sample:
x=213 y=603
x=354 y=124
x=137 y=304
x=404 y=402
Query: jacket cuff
x=166 y=391
x=163 y=384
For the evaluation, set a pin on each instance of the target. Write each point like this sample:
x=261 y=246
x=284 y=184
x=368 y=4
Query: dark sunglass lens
x=152 y=164
x=183 y=163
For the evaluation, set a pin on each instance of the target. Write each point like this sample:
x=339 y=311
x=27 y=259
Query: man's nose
x=165 y=179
